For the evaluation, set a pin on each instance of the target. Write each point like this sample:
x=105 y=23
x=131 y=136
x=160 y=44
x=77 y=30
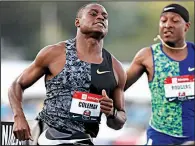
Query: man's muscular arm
x=119 y=118
x=137 y=68
x=27 y=78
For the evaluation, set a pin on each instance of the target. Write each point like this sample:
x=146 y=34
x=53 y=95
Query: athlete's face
x=94 y=18
x=172 y=27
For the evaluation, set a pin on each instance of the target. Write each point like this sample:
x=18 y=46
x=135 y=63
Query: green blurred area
x=29 y=26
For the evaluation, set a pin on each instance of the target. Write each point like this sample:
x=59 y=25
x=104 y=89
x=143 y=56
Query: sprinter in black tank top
x=82 y=80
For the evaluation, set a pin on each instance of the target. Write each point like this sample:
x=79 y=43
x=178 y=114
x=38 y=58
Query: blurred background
x=26 y=27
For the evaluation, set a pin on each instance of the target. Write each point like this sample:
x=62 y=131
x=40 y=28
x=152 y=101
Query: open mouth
x=168 y=32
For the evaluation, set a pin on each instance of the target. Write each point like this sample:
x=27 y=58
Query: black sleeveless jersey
x=76 y=75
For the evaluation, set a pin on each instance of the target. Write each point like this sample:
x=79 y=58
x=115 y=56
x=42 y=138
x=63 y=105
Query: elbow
x=10 y=89
x=121 y=124
x=13 y=87
x=113 y=126
x=116 y=125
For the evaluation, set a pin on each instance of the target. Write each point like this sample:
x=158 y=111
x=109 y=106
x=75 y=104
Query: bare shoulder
x=47 y=54
x=144 y=52
x=117 y=64
x=142 y=55
x=120 y=73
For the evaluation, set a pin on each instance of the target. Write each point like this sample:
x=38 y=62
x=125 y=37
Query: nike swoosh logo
x=43 y=140
x=74 y=116
x=169 y=8
x=171 y=99
x=191 y=69
x=102 y=72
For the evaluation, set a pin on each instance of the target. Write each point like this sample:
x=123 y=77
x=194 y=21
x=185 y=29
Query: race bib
x=85 y=107
x=179 y=87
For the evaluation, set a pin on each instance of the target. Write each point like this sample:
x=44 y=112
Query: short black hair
x=80 y=10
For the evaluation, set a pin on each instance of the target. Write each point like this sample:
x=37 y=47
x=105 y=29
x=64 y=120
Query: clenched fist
x=106 y=104
x=21 y=129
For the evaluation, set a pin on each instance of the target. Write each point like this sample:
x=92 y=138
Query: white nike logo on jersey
x=172 y=99
x=191 y=69
x=74 y=116
x=169 y=8
x=43 y=140
x=101 y=72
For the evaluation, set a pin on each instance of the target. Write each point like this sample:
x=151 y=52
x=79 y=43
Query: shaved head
x=92 y=19
x=81 y=9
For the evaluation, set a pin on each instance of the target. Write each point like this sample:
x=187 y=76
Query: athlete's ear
x=77 y=22
x=187 y=27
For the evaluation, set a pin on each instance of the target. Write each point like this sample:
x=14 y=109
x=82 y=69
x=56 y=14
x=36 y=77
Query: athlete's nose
x=100 y=16
x=168 y=24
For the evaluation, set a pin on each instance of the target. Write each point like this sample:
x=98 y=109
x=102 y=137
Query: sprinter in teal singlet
x=170 y=69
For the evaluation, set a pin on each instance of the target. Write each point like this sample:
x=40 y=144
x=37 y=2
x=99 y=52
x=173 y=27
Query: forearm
x=15 y=98
x=118 y=121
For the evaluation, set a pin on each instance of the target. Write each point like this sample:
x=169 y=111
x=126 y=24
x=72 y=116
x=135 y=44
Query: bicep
x=135 y=71
x=118 y=95
x=30 y=75
x=37 y=68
